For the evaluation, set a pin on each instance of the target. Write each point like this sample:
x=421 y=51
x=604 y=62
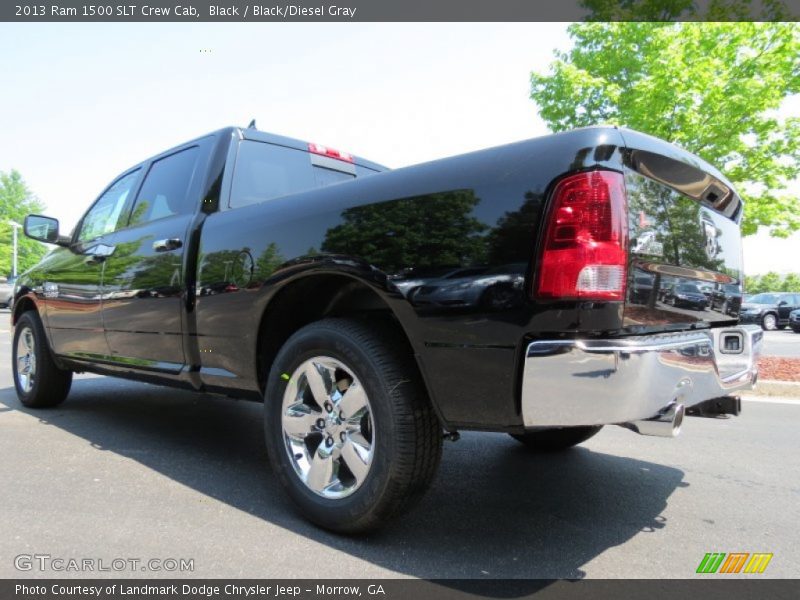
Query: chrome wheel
x=769 y=322
x=327 y=427
x=26 y=360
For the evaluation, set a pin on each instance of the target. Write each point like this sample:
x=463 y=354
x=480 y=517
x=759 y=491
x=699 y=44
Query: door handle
x=98 y=253
x=167 y=244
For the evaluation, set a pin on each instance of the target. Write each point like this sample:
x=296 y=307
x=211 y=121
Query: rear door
x=143 y=278
x=791 y=302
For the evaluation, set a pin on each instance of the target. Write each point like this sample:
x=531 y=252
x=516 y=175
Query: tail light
x=584 y=254
x=330 y=152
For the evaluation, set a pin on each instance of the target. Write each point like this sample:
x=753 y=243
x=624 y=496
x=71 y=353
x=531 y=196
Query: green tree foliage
x=772 y=282
x=17 y=201
x=433 y=230
x=791 y=283
x=687 y=10
x=712 y=88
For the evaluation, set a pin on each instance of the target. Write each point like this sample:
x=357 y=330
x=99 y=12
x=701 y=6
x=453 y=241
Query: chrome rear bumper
x=594 y=382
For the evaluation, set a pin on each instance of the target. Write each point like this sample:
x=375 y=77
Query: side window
x=264 y=171
x=108 y=213
x=165 y=189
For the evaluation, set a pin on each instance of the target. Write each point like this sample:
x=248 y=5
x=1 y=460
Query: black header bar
x=195 y=11
x=711 y=588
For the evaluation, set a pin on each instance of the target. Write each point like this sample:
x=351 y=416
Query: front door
x=143 y=287
x=73 y=275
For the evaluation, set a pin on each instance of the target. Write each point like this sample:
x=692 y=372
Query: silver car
x=6 y=292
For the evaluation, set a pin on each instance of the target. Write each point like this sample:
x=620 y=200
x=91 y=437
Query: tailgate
x=686 y=250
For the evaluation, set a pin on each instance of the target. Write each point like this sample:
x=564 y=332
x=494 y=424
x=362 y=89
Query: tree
x=712 y=88
x=17 y=201
x=687 y=10
x=769 y=282
x=425 y=231
x=791 y=283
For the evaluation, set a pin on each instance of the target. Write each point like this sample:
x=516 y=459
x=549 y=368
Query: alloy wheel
x=26 y=360
x=327 y=427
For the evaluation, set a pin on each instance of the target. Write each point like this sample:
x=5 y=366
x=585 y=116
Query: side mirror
x=43 y=229
x=783 y=303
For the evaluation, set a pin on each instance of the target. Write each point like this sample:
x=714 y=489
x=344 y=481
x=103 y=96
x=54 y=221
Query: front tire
x=555 y=440
x=769 y=322
x=39 y=381
x=349 y=428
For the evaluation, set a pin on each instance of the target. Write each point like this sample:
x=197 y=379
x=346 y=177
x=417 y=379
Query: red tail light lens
x=584 y=255
x=330 y=152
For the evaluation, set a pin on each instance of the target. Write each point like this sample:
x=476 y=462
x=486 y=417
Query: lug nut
x=321 y=423
x=329 y=441
x=328 y=407
x=342 y=436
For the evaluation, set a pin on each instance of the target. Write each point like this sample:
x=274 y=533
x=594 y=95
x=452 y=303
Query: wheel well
x=22 y=305
x=311 y=299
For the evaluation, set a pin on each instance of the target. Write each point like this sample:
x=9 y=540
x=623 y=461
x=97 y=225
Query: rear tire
x=350 y=465
x=39 y=381
x=554 y=440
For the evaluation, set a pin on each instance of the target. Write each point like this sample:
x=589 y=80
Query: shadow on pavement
x=495 y=510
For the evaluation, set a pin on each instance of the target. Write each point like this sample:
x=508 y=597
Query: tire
x=39 y=381
x=362 y=469
x=769 y=322
x=796 y=329
x=555 y=440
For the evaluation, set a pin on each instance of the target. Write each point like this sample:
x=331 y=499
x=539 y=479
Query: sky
x=79 y=103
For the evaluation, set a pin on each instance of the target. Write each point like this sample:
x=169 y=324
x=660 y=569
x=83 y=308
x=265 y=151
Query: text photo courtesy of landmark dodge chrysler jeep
x=376 y=312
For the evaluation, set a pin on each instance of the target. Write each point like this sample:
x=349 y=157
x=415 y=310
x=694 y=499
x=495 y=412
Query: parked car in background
x=7 y=291
x=727 y=298
x=686 y=294
x=642 y=288
x=491 y=288
x=770 y=309
x=794 y=320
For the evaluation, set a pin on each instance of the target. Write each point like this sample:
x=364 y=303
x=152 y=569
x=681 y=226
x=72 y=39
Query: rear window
x=264 y=171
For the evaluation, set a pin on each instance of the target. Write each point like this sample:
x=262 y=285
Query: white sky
x=81 y=102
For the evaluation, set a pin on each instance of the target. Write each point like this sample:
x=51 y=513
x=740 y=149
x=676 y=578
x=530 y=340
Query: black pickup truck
x=377 y=313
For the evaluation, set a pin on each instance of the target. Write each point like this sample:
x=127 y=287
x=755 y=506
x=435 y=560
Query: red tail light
x=330 y=152
x=584 y=255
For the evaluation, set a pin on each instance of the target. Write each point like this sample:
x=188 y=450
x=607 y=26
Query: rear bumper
x=593 y=382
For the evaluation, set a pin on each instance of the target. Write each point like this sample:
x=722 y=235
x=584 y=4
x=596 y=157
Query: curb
x=773 y=387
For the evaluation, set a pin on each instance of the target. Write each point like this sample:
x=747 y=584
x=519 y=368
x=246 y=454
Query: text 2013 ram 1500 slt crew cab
x=376 y=312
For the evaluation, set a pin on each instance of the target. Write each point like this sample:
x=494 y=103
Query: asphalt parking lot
x=127 y=470
x=783 y=342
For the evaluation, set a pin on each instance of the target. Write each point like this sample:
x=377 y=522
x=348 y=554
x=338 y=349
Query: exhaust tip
x=666 y=424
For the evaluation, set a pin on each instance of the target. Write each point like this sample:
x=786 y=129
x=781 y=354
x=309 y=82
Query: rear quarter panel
x=398 y=231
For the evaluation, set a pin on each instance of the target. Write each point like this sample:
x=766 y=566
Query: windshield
x=688 y=288
x=764 y=299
